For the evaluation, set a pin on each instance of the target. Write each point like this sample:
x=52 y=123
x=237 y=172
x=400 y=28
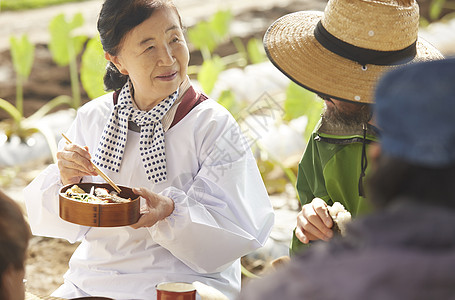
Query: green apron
x=331 y=167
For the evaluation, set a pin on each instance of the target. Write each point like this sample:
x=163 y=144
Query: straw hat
x=342 y=52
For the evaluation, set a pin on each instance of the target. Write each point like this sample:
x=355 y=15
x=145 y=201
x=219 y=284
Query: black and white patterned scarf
x=151 y=145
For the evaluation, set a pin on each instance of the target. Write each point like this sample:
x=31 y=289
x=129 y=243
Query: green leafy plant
x=207 y=36
x=256 y=52
x=301 y=102
x=65 y=47
x=208 y=74
x=436 y=10
x=229 y=101
x=93 y=68
x=22 y=53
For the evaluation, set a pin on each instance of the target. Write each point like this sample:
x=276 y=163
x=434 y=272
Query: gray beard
x=339 y=119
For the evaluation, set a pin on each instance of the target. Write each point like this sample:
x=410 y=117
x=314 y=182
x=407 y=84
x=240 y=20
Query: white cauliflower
x=340 y=217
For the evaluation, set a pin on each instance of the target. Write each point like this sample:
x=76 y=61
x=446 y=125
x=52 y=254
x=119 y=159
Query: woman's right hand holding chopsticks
x=74 y=163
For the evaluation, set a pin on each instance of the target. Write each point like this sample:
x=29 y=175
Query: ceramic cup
x=175 y=291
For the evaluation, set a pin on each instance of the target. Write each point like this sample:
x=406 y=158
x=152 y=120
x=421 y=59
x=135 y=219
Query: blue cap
x=415 y=110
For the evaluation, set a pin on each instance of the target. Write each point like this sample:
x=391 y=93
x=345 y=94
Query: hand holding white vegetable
x=314 y=222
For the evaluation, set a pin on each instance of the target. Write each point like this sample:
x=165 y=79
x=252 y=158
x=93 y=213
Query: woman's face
x=155 y=56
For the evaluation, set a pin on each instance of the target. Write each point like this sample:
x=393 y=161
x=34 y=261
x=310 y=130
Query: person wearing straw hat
x=340 y=54
x=406 y=248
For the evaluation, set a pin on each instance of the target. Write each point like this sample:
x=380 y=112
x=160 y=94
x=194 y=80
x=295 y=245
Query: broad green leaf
x=58 y=45
x=301 y=102
x=78 y=21
x=436 y=7
x=202 y=36
x=93 y=68
x=314 y=115
x=78 y=44
x=209 y=34
x=298 y=101
x=64 y=47
x=256 y=51
x=209 y=72
x=227 y=99
x=235 y=106
x=241 y=50
x=220 y=23
x=23 y=54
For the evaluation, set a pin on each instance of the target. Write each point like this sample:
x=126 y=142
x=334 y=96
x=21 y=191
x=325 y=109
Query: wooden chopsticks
x=101 y=173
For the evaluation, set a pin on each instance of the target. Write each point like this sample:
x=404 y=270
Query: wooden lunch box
x=99 y=214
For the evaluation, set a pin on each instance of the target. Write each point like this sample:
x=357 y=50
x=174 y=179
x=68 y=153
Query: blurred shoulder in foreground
x=14 y=236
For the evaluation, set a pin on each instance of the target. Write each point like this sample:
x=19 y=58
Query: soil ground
x=48 y=257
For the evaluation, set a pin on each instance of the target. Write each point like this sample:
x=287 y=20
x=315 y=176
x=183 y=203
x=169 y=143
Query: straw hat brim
x=291 y=46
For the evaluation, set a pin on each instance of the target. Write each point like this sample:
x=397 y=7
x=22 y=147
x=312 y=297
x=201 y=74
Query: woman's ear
x=117 y=62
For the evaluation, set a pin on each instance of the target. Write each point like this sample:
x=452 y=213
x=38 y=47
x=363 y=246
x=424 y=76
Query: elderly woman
x=14 y=236
x=206 y=205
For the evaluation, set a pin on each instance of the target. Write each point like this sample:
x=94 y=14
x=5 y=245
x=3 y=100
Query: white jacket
x=222 y=210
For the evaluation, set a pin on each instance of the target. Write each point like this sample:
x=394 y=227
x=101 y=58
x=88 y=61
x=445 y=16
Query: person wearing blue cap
x=406 y=248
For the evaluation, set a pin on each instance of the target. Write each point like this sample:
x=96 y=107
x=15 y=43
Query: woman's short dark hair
x=116 y=19
x=396 y=178
x=14 y=236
